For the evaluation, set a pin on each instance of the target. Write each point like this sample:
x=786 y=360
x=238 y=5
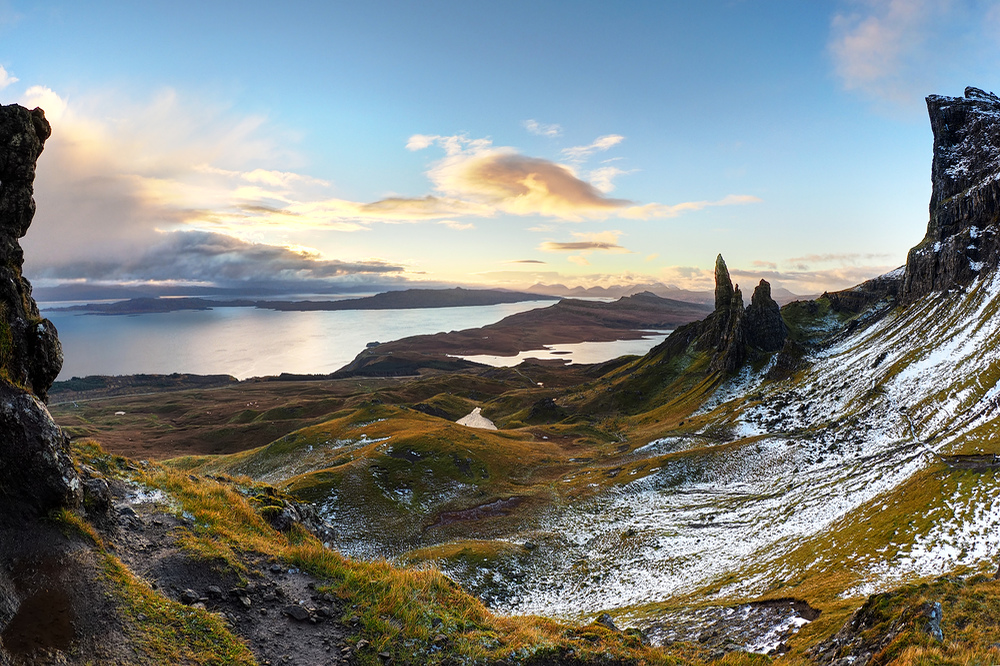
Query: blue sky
x=504 y=143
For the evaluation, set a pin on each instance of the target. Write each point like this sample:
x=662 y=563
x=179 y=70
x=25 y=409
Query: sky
x=362 y=145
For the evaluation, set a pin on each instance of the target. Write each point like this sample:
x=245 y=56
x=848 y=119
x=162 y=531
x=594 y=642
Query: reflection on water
x=580 y=352
x=246 y=342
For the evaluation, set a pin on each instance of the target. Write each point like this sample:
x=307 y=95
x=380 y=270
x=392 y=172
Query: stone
x=214 y=591
x=929 y=620
x=296 y=612
x=36 y=470
x=33 y=356
x=605 y=620
x=97 y=498
x=189 y=597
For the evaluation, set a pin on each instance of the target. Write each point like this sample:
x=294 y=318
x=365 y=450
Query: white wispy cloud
x=602 y=177
x=541 y=129
x=600 y=144
x=652 y=210
x=6 y=79
x=458 y=226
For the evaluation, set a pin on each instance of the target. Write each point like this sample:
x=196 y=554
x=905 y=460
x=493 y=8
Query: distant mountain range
x=779 y=294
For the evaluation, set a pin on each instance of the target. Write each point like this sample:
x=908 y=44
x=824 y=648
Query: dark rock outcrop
x=961 y=239
x=36 y=473
x=723 y=284
x=875 y=626
x=764 y=328
x=736 y=334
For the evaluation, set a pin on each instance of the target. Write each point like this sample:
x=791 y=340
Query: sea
x=247 y=342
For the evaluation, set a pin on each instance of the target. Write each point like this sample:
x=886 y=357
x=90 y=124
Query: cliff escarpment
x=961 y=239
x=36 y=473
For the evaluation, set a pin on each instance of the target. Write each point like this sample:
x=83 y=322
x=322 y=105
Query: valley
x=769 y=483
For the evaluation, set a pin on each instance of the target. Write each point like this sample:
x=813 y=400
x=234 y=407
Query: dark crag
x=36 y=469
x=36 y=472
x=961 y=234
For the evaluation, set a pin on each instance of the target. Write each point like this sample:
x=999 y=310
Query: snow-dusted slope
x=846 y=436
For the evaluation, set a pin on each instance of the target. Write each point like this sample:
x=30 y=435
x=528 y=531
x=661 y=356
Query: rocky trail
x=275 y=609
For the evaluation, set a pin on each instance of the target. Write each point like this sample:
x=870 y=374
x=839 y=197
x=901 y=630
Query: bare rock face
x=723 y=285
x=36 y=472
x=737 y=334
x=765 y=329
x=961 y=240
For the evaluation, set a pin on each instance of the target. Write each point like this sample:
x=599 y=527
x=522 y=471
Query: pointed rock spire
x=765 y=329
x=723 y=285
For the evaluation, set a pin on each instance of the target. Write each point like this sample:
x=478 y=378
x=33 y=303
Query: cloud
x=109 y=188
x=202 y=257
x=576 y=246
x=605 y=241
x=541 y=129
x=6 y=79
x=601 y=178
x=843 y=258
x=601 y=143
x=525 y=261
x=40 y=96
x=579 y=260
x=899 y=50
x=520 y=185
x=487 y=180
x=421 y=141
x=118 y=175
x=811 y=281
x=458 y=226
x=651 y=210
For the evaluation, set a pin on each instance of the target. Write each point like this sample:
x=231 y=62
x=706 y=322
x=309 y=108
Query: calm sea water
x=246 y=342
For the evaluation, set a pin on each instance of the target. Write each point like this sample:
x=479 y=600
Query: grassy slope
x=417 y=616
x=397 y=472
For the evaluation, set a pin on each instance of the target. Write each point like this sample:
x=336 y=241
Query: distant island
x=568 y=321
x=407 y=299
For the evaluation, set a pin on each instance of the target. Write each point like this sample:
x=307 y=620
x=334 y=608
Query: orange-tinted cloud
x=521 y=185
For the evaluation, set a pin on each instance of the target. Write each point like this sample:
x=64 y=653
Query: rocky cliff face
x=961 y=239
x=35 y=469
